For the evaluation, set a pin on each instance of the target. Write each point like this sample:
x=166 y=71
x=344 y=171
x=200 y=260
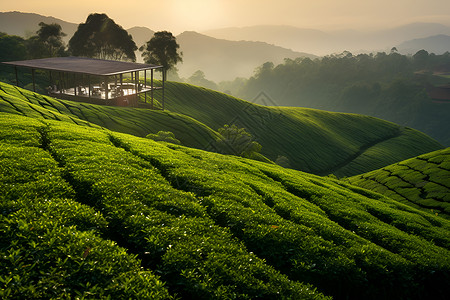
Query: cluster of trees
x=99 y=37
x=390 y=86
x=47 y=42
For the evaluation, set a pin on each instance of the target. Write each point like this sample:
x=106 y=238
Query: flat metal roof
x=83 y=65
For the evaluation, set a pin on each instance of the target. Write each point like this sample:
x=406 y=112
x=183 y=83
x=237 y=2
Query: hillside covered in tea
x=422 y=182
x=91 y=213
x=311 y=140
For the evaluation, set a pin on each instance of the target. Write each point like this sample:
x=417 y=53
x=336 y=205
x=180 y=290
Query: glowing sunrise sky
x=199 y=15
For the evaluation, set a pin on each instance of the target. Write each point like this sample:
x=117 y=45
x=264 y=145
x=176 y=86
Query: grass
x=314 y=141
x=88 y=212
x=421 y=182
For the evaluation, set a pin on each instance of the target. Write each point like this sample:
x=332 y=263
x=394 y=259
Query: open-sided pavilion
x=95 y=80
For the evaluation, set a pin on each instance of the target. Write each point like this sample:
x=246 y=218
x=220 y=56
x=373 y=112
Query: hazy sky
x=199 y=15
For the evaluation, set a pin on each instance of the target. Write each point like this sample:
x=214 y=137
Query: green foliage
x=420 y=182
x=47 y=42
x=100 y=37
x=388 y=86
x=211 y=226
x=314 y=141
x=198 y=78
x=163 y=136
x=133 y=121
x=12 y=48
x=162 y=49
x=237 y=141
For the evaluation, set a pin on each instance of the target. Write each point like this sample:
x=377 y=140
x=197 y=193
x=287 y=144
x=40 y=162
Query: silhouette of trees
x=100 y=37
x=12 y=47
x=162 y=49
x=198 y=78
x=47 y=42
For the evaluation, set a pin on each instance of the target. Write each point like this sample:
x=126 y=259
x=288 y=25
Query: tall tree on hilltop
x=162 y=49
x=47 y=42
x=100 y=37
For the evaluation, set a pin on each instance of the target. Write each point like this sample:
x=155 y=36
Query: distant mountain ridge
x=437 y=44
x=326 y=42
x=221 y=59
x=25 y=24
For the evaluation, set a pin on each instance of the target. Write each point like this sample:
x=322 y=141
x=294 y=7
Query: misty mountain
x=328 y=42
x=437 y=44
x=218 y=59
x=26 y=24
x=224 y=60
x=140 y=35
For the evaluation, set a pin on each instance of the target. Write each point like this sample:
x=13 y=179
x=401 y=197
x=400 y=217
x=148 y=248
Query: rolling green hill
x=422 y=182
x=314 y=141
x=91 y=213
x=139 y=122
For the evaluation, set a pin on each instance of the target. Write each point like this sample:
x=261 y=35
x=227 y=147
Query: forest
x=394 y=87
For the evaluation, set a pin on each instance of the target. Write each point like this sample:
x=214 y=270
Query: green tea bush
x=113 y=211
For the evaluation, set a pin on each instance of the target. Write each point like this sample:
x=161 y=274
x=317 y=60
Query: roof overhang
x=83 y=65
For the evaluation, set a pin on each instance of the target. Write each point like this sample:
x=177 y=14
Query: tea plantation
x=422 y=182
x=90 y=213
x=314 y=141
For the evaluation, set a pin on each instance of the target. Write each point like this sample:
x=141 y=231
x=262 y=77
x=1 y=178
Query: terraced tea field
x=314 y=141
x=91 y=213
x=422 y=182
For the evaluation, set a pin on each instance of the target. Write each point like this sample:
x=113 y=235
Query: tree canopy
x=100 y=37
x=237 y=141
x=162 y=49
x=47 y=42
x=12 y=47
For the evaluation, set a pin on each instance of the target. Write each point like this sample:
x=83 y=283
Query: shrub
x=163 y=136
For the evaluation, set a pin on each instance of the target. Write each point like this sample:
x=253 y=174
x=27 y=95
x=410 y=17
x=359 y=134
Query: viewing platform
x=96 y=81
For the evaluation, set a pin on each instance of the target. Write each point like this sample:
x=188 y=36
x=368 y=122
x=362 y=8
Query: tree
x=164 y=136
x=198 y=78
x=237 y=141
x=100 y=37
x=12 y=47
x=47 y=42
x=162 y=49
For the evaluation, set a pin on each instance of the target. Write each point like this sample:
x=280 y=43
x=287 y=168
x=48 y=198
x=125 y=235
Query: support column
x=164 y=80
x=151 y=88
x=17 y=77
x=60 y=82
x=145 y=84
x=106 y=88
x=89 y=86
x=34 y=83
x=137 y=86
x=51 y=81
x=74 y=84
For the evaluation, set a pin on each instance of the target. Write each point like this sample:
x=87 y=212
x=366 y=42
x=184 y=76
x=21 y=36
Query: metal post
x=89 y=83
x=74 y=84
x=34 y=84
x=51 y=82
x=17 y=77
x=60 y=82
x=145 y=84
x=106 y=88
x=151 y=88
x=164 y=79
